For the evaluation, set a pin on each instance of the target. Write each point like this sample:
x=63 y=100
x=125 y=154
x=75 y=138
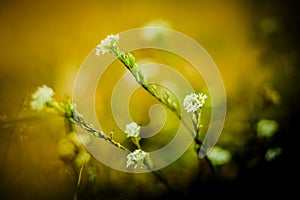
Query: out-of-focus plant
x=193 y=103
x=266 y=128
x=273 y=153
x=263 y=127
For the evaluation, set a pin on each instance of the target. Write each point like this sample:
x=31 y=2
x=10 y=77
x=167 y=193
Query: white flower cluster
x=132 y=130
x=41 y=97
x=107 y=43
x=194 y=101
x=136 y=158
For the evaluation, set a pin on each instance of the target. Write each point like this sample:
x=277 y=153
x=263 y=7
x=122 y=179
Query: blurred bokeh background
x=254 y=44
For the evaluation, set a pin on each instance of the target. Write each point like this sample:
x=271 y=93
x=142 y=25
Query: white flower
x=202 y=98
x=136 y=158
x=107 y=43
x=193 y=101
x=41 y=97
x=132 y=130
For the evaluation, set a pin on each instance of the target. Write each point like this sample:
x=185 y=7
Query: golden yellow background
x=253 y=43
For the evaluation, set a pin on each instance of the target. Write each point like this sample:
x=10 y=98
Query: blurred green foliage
x=254 y=44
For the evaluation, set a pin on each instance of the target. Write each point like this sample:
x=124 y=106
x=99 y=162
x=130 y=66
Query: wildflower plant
x=193 y=104
x=132 y=131
x=107 y=45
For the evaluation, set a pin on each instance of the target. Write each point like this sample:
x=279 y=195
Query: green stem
x=97 y=133
x=145 y=86
x=130 y=65
x=164 y=181
x=80 y=175
x=136 y=141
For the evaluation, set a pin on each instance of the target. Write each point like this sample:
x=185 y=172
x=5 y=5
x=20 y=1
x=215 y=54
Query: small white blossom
x=41 y=97
x=132 y=130
x=193 y=101
x=136 y=158
x=107 y=43
x=202 y=98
